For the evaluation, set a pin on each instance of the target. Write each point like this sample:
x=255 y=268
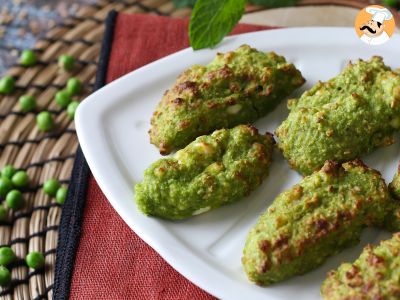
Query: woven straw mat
x=51 y=155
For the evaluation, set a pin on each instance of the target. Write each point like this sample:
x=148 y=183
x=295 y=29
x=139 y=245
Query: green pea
x=28 y=58
x=44 y=121
x=71 y=109
x=5 y=276
x=74 y=86
x=51 y=186
x=5 y=186
x=20 y=179
x=27 y=103
x=7 y=84
x=66 y=62
x=63 y=98
x=8 y=171
x=61 y=195
x=3 y=213
x=7 y=256
x=14 y=199
x=35 y=260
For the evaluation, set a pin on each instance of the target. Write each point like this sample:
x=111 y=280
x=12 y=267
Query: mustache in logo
x=368 y=28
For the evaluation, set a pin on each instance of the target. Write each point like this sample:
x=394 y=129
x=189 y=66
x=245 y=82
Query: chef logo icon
x=375 y=25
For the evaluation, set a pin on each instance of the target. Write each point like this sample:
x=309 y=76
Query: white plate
x=112 y=128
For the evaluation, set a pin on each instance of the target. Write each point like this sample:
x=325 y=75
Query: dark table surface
x=22 y=22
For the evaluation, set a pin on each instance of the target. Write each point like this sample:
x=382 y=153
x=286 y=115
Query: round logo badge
x=375 y=25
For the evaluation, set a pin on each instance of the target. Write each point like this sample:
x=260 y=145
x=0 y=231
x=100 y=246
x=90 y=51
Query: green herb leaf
x=184 y=3
x=213 y=19
x=274 y=3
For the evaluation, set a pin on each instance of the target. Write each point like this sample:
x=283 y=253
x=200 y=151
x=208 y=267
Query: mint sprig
x=212 y=20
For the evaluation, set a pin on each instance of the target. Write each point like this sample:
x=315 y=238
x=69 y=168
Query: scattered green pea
x=5 y=186
x=8 y=171
x=35 y=260
x=71 y=109
x=63 y=98
x=3 y=213
x=5 y=276
x=7 y=84
x=61 y=195
x=27 y=103
x=44 y=121
x=14 y=199
x=28 y=58
x=7 y=256
x=51 y=186
x=74 y=86
x=20 y=179
x=66 y=62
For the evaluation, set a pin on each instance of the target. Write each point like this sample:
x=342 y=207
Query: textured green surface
x=342 y=119
x=374 y=275
x=211 y=171
x=235 y=88
x=314 y=220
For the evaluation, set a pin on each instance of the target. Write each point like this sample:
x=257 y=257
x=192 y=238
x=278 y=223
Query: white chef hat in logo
x=379 y=14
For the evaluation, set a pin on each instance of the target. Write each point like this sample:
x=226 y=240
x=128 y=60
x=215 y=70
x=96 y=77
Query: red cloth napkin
x=112 y=262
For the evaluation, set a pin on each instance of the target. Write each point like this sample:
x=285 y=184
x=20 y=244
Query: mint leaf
x=213 y=19
x=184 y=3
x=274 y=3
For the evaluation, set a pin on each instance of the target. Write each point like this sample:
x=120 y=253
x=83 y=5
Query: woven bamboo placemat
x=51 y=155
